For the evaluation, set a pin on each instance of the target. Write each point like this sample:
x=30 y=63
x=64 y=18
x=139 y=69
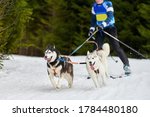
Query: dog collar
x=96 y=71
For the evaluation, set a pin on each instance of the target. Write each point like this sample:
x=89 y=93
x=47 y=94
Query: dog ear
x=88 y=52
x=49 y=46
x=54 y=46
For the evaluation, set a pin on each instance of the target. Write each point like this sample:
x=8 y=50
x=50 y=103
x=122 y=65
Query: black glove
x=90 y=32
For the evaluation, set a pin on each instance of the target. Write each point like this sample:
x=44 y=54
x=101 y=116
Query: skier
x=103 y=18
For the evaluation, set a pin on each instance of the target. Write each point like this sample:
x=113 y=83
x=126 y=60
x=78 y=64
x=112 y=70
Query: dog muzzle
x=92 y=65
x=48 y=59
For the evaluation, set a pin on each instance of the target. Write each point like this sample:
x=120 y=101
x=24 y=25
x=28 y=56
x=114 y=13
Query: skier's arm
x=110 y=14
x=93 y=20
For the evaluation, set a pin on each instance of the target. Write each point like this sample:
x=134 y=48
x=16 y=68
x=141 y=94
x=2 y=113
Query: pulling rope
x=76 y=62
x=85 y=41
x=94 y=43
x=71 y=62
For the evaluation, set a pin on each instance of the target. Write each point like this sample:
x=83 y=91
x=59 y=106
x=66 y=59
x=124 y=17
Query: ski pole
x=114 y=59
x=124 y=44
x=84 y=41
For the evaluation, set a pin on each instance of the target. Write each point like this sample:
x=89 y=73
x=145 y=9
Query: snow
x=25 y=78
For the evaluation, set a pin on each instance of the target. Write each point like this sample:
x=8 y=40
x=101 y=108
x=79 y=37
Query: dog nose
x=45 y=57
x=90 y=62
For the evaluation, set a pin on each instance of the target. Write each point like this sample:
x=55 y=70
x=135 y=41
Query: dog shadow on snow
x=77 y=87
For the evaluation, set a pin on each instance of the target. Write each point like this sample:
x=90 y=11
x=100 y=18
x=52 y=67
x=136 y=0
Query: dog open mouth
x=48 y=59
x=92 y=65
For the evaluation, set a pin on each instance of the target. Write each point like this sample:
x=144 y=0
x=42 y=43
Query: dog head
x=51 y=54
x=92 y=60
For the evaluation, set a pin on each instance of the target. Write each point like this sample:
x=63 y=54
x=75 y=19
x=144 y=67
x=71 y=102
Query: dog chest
x=56 y=71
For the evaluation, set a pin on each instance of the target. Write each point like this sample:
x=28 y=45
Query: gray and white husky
x=58 y=67
x=97 y=66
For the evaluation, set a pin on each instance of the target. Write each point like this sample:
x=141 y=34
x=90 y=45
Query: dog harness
x=95 y=70
x=54 y=66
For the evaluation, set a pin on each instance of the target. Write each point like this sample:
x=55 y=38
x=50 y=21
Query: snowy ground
x=26 y=78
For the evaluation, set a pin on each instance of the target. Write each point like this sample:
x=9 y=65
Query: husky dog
x=97 y=66
x=58 y=67
x=103 y=54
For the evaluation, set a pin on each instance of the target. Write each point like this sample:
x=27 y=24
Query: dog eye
x=49 y=51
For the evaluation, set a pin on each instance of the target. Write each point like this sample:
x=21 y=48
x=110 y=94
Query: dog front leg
x=104 y=80
x=58 y=83
x=100 y=82
x=94 y=78
x=51 y=77
x=70 y=80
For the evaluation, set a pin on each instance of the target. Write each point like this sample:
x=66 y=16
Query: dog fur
x=97 y=66
x=58 y=67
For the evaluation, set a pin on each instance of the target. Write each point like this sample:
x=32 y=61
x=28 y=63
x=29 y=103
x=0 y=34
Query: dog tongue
x=48 y=60
x=91 y=66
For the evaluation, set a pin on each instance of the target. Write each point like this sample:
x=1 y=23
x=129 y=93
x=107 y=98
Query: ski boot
x=127 y=70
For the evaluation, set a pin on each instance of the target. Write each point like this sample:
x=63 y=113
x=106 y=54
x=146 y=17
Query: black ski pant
x=100 y=36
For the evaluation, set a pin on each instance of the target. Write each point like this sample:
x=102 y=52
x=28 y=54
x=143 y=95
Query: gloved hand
x=90 y=32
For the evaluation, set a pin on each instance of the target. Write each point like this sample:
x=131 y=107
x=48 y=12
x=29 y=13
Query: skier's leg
x=120 y=52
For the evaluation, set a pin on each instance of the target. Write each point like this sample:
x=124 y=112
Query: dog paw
x=58 y=86
x=104 y=84
x=70 y=86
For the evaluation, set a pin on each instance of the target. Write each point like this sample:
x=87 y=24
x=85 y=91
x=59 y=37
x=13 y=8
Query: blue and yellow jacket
x=102 y=15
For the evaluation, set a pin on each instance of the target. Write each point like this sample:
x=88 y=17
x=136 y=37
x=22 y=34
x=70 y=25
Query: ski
x=115 y=76
x=119 y=76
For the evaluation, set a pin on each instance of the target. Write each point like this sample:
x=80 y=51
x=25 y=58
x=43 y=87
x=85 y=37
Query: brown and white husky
x=58 y=67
